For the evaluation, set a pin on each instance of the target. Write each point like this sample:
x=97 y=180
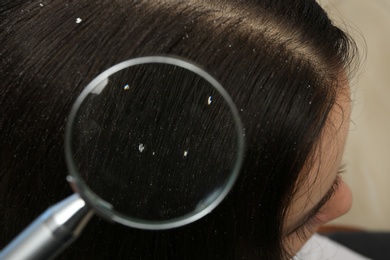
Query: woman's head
x=282 y=63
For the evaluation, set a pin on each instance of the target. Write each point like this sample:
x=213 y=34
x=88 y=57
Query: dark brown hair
x=279 y=60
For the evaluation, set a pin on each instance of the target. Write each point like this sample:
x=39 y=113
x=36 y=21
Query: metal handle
x=51 y=232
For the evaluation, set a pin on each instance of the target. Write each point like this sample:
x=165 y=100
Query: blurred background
x=368 y=147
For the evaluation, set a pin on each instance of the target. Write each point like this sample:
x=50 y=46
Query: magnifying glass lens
x=154 y=143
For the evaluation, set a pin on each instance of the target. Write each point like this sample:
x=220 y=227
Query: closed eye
x=310 y=220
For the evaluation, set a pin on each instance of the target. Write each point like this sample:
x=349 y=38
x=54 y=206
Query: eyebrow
x=310 y=214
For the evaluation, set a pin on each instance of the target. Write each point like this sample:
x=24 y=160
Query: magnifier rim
x=103 y=208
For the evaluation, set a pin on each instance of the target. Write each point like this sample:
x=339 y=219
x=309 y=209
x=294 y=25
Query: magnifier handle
x=51 y=232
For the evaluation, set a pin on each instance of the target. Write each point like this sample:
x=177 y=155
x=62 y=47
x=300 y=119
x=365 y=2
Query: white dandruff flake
x=141 y=148
x=41 y=4
x=78 y=20
x=210 y=100
x=126 y=87
x=185 y=153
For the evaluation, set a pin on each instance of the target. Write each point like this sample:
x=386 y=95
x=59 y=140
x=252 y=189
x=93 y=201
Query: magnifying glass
x=152 y=143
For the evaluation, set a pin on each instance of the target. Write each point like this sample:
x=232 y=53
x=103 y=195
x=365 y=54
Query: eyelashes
x=342 y=169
